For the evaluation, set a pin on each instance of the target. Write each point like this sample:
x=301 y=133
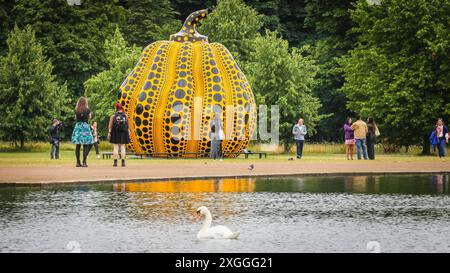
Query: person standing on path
x=217 y=135
x=442 y=136
x=349 y=137
x=299 y=131
x=360 y=130
x=82 y=134
x=55 y=138
x=119 y=133
x=371 y=138
x=96 y=140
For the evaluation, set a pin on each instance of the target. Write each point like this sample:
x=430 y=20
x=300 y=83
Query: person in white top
x=299 y=131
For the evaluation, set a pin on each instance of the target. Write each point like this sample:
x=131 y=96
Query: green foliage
x=233 y=24
x=149 y=21
x=287 y=17
x=5 y=10
x=72 y=36
x=330 y=22
x=328 y=18
x=399 y=70
x=30 y=94
x=186 y=7
x=282 y=77
x=102 y=89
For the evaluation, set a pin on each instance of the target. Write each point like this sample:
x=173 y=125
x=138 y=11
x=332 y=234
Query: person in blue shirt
x=299 y=132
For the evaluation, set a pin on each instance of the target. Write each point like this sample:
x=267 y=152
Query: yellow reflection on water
x=155 y=200
x=216 y=185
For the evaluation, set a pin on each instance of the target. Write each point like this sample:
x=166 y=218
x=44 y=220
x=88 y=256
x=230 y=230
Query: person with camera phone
x=54 y=137
x=96 y=139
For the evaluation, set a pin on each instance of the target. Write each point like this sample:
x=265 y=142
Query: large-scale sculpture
x=172 y=93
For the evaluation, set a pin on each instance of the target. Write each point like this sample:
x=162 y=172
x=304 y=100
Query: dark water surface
x=399 y=213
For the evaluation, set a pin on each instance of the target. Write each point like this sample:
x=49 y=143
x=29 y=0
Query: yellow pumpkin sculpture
x=172 y=93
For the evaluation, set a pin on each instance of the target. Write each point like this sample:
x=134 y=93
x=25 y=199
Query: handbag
x=377 y=132
x=221 y=134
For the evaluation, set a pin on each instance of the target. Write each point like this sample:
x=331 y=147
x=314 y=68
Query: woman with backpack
x=82 y=134
x=119 y=133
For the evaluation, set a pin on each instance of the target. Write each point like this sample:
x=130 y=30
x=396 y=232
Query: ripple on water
x=331 y=214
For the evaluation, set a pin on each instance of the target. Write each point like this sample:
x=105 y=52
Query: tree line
x=322 y=60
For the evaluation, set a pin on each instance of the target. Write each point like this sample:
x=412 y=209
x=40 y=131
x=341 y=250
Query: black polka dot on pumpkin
x=138 y=121
x=182 y=83
x=175 y=117
x=147 y=85
x=139 y=109
x=217 y=97
x=179 y=94
x=142 y=96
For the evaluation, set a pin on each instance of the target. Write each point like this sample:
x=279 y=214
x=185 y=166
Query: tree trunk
x=426 y=145
x=286 y=145
x=22 y=142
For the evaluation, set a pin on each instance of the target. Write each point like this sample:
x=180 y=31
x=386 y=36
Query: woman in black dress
x=119 y=133
x=371 y=138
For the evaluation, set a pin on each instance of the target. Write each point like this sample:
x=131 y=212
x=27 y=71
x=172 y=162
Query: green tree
x=72 y=36
x=149 y=21
x=30 y=96
x=102 y=88
x=398 y=73
x=186 y=7
x=282 y=77
x=5 y=11
x=330 y=23
x=233 y=24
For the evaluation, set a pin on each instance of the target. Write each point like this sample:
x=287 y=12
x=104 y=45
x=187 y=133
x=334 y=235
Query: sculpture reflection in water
x=172 y=199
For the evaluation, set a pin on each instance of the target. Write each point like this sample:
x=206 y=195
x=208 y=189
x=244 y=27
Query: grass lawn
x=67 y=158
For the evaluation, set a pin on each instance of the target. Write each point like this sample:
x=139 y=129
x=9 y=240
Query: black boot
x=77 y=155
x=115 y=163
x=85 y=154
x=123 y=162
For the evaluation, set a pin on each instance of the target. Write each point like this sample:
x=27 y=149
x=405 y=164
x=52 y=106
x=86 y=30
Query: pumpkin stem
x=189 y=32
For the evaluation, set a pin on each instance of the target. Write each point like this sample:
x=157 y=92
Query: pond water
x=401 y=213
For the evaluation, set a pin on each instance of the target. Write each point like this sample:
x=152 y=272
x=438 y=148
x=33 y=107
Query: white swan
x=216 y=232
